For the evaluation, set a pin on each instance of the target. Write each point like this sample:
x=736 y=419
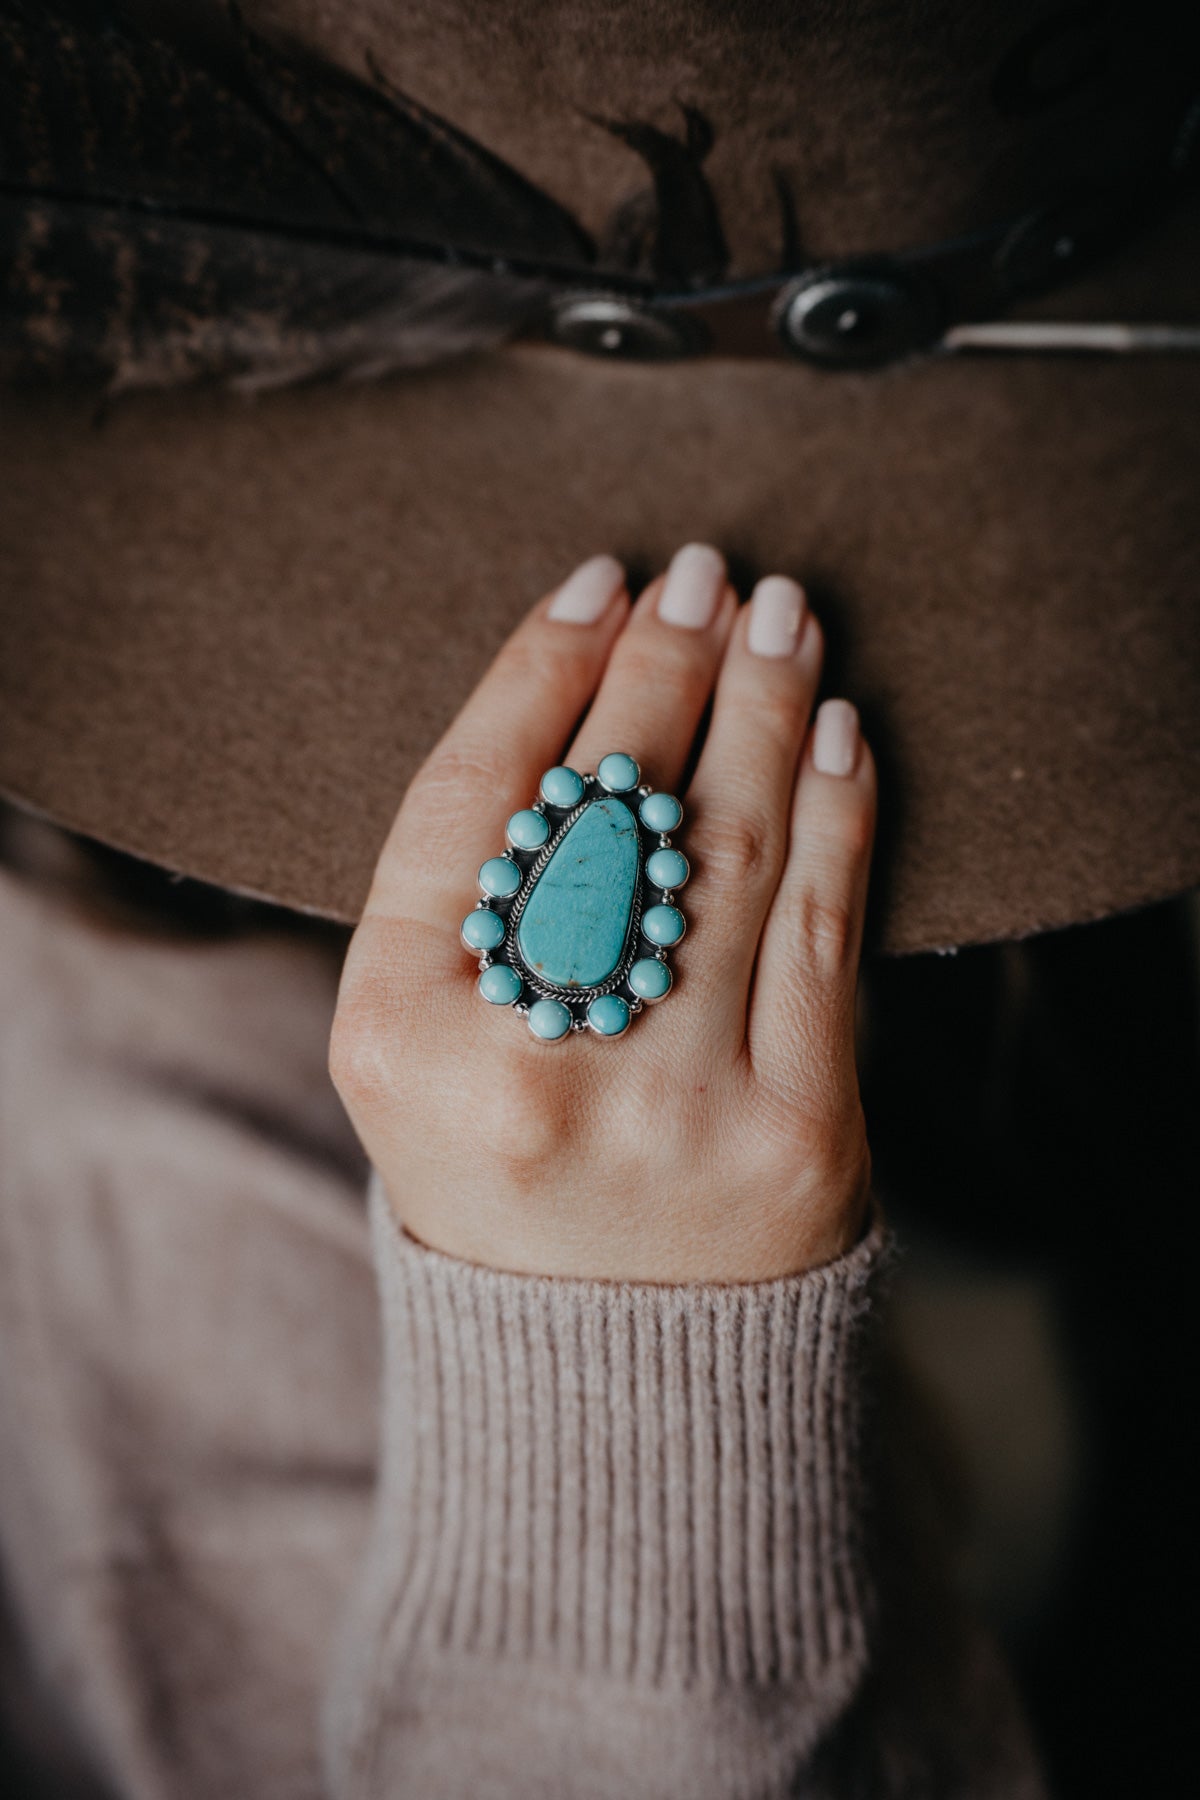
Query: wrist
x=639 y=1228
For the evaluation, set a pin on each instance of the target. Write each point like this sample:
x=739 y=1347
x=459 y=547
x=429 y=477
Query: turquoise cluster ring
x=578 y=913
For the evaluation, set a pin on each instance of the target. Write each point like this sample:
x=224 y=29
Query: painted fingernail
x=776 y=615
x=584 y=596
x=694 y=585
x=835 y=738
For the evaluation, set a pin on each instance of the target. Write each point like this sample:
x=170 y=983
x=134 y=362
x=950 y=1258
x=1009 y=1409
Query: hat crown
x=699 y=141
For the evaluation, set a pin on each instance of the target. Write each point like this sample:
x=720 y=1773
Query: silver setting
x=612 y=325
x=531 y=864
x=857 y=314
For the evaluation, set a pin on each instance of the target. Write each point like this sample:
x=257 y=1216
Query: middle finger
x=660 y=675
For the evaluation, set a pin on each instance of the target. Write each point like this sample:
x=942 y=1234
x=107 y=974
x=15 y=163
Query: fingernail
x=694 y=585
x=584 y=596
x=835 y=738
x=776 y=615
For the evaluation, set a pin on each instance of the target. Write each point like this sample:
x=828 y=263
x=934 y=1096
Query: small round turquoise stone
x=499 y=877
x=562 y=787
x=527 y=830
x=663 y=924
x=609 y=1015
x=618 y=772
x=549 y=1020
x=667 y=869
x=500 y=984
x=649 y=979
x=660 y=812
x=482 y=930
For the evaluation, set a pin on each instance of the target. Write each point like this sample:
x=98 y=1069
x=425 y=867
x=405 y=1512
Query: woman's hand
x=721 y=1138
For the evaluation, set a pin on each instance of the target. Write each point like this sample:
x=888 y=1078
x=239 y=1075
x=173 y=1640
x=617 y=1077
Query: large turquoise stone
x=576 y=920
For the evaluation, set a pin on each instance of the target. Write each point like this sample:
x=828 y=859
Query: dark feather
x=179 y=197
x=675 y=231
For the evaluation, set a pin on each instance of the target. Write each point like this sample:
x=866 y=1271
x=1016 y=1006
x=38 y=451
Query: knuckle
x=359 y=1048
x=537 y=661
x=459 y=766
x=739 y=847
x=855 y=833
x=669 y=666
x=384 y=985
x=828 y=930
x=780 y=712
x=523 y=658
x=663 y=685
x=525 y=1121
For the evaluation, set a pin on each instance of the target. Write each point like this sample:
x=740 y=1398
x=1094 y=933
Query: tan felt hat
x=904 y=301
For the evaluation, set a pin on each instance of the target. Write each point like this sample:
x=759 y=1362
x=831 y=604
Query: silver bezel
x=532 y=864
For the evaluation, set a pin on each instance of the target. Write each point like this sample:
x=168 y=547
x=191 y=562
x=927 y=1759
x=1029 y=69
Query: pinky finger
x=801 y=1025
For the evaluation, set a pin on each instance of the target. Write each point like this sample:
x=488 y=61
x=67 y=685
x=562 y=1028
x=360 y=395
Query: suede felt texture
x=876 y=125
x=230 y=631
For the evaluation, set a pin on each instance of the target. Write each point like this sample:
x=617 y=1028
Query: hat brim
x=232 y=628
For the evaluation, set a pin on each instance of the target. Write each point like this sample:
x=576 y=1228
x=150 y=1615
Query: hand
x=721 y=1138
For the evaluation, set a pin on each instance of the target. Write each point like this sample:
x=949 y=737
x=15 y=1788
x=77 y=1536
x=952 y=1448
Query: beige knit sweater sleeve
x=624 y=1544
x=619 y=1540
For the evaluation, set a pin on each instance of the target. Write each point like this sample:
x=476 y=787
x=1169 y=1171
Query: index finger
x=488 y=763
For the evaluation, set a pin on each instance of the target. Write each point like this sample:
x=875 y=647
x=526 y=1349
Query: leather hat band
x=867 y=311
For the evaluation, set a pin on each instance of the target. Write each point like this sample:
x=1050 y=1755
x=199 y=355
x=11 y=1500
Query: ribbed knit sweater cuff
x=659 y=1483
